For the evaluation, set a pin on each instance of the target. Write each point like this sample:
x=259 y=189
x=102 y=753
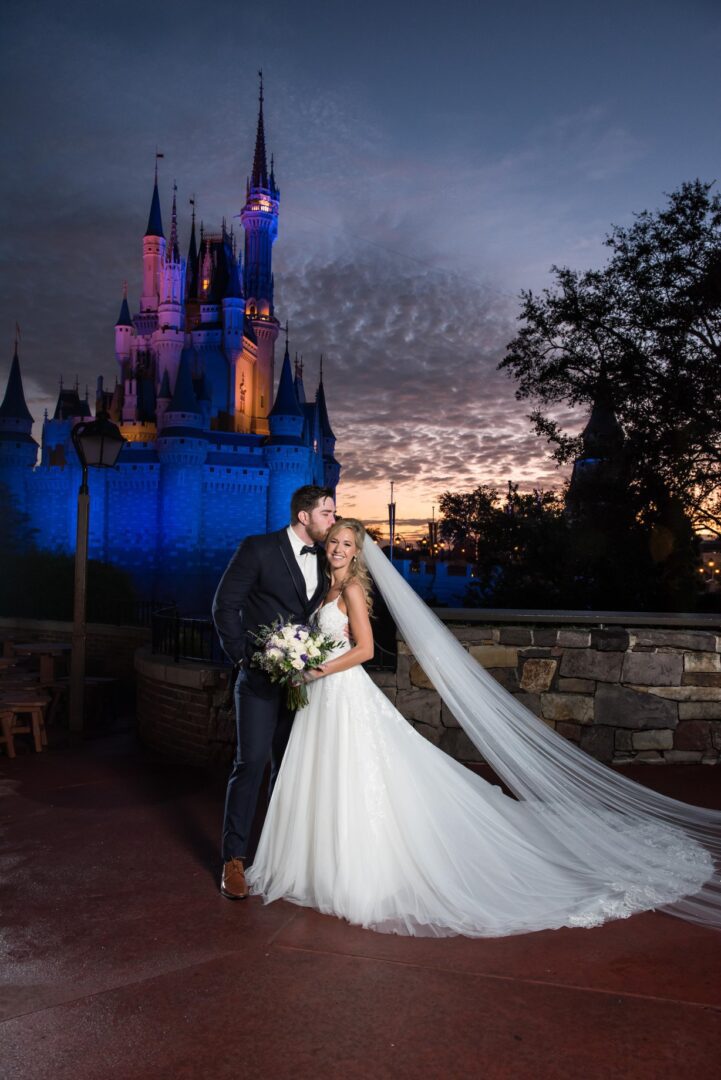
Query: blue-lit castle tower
x=212 y=454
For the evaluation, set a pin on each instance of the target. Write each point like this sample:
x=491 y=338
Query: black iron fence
x=195 y=639
x=186 y=638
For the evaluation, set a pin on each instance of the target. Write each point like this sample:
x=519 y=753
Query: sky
x=433 y=160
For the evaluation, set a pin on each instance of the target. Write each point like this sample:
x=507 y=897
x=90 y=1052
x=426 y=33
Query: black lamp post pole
x=77 y=663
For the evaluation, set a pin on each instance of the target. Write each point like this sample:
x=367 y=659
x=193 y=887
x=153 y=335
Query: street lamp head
x=98 y=442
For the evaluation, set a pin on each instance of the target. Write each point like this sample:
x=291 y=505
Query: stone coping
x=630 y=619
x=191 y=674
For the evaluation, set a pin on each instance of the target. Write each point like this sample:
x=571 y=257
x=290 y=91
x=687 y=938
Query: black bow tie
x=310 y=549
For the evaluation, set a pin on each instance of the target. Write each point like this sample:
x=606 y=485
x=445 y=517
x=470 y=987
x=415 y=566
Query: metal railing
x=186 y=638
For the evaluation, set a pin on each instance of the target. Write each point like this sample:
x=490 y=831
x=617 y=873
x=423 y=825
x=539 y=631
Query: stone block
x=598 y=742
x=653 y=669
x=684 y=757
x=419 y=678
x=506 y=676
x=702 y=678
x=390 y=692
x=531 y=652
x=591 y=664
x=683 y=693
x=494 y=656
x=624 y=740
x=476 y=635
x=404 y=663
x=403 y=649
x=710 y=758
x=569 y=731
x=699 y=710
x=515 y=635
x=615 y=640
x=447 y=717
x=531 y=702
x=545 y=636
x=567 y=707
x=693 y=735
x=538 y=675
x=702 y=661
x=421 y=706
x=433 y=734
x=384 y=678
x=574 y=639
x=650 y=757
x=656 y=739
x=699 y=640
x=455 y=742
x=576 y=686
x=716 y=737
x=628 y=708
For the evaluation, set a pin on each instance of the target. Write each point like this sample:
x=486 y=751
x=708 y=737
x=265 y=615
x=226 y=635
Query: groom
x=278 y=574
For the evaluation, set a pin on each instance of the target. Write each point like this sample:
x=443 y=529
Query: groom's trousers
x=263 y=729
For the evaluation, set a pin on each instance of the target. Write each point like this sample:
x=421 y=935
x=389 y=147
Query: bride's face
x=340 y=549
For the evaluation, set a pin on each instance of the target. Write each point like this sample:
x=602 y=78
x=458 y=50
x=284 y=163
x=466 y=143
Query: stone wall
x=624 y=694
x=182 y=709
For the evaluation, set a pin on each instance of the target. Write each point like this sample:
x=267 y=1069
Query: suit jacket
x=261 y=582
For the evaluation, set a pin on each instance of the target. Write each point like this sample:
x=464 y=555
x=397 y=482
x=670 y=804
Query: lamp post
x=98 y=444
x=391 y=522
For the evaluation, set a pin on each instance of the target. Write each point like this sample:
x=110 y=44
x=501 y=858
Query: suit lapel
x=322 y=587
x=292 y=563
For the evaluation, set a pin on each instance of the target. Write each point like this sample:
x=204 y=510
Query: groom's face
x=320 y=519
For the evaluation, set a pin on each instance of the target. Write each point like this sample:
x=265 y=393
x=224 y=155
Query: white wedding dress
x=369 y=821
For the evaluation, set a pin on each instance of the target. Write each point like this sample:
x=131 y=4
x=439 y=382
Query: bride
x=371 y=822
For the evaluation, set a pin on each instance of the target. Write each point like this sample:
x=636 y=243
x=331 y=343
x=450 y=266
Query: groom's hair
x=306 y=498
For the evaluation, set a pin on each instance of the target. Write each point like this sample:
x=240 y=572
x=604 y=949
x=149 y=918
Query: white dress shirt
x=308 y=563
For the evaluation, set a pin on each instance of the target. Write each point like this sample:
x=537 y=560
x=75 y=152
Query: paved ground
x=121 y=960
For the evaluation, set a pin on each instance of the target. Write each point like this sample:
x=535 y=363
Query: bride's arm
x=361 y=633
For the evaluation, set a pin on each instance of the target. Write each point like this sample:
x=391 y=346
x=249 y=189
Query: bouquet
x=286 y=650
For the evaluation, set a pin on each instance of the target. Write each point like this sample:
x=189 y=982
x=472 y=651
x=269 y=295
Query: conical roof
x=124 y=316
x=325 y=428
x=164 y=391
x=184 y=399
x=286 y=402
x=14 y=406
x=155 y=221
x=259 y=176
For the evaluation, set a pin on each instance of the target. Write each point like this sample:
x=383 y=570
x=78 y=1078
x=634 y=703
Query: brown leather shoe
x=233 y=883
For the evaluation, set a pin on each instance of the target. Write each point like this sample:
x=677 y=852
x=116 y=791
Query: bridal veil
x=600 y=819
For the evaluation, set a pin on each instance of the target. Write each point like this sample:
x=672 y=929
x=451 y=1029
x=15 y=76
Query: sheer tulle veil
x=601 y=818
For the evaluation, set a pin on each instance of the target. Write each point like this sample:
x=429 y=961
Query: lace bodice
x=333 y=622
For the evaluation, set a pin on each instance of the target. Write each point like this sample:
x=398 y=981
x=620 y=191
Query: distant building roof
x=14 y=406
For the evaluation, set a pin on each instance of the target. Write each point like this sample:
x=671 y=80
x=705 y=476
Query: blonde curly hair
x=357 y=570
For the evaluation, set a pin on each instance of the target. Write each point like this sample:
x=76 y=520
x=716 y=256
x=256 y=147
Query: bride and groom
x=369 y=821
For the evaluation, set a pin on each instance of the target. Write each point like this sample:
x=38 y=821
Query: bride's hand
x=312 y=674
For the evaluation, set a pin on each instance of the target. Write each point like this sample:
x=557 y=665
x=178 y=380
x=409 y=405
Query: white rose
x=297 y=664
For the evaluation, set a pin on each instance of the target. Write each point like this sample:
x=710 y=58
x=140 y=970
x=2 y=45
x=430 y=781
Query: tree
x=517 y=544
x=649 y=323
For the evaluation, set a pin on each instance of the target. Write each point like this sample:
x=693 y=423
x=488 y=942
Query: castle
x=210 y=456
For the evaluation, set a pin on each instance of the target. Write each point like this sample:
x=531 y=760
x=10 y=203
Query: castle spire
x=124 y=316
x=173 y=254
x=191 y=270
x=286 y=402
x=325 y=428
x=259 y=176
x=155 y=221
x=14 y=406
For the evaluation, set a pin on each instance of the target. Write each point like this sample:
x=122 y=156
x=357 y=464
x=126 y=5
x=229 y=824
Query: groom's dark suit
x=262 y=581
